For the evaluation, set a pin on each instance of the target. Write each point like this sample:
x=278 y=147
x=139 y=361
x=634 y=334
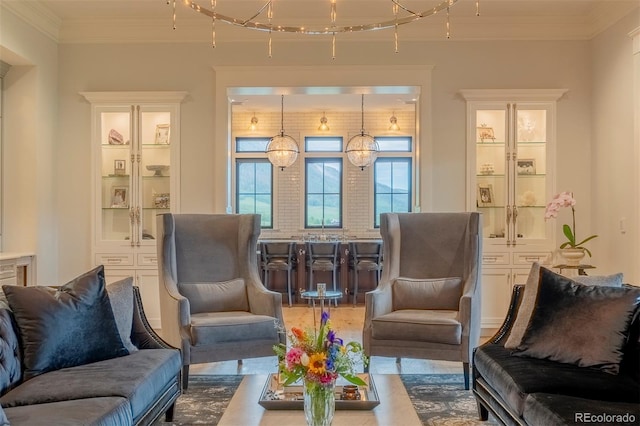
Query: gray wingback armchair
x=427 y=304
x=213 y=304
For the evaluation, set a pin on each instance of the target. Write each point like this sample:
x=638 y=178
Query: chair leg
x=355 y=286
x=168 y=415
x=397 y=360
x=185 y=377
x=289 y=286
x=266 y=278
x=483 y=413
x=465 y=371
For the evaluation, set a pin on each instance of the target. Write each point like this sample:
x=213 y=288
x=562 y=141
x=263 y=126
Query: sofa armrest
x=514 y=305
x=142 y=334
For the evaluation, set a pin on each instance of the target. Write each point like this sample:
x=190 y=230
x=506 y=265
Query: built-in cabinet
x=136 y=167
x=510 y=178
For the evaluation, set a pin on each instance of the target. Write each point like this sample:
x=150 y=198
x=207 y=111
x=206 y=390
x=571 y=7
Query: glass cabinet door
x=491 y=170
x=530 y=172
x=155 y=168
x=116 y=144
x=135 y=165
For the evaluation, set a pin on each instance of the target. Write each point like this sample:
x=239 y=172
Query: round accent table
x=314 y=296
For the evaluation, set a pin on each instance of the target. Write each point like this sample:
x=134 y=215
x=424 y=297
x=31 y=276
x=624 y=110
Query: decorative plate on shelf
x=159 y=169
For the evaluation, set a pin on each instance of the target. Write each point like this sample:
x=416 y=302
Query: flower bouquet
x=318 y=358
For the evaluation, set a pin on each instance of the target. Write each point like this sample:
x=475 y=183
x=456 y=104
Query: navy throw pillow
x=65 y=326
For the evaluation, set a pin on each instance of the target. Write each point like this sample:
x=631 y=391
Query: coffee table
x=395 y=407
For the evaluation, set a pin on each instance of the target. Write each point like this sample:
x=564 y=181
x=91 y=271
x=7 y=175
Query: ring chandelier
x=331 y=29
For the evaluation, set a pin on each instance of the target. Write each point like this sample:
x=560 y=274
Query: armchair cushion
x=442 y=293
x=579 y=324
x=432 y=326
x=225 y=327
x=216 y=297
x=84 y=329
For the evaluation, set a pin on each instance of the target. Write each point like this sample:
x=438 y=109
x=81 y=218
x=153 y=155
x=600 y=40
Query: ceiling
x=150 y=21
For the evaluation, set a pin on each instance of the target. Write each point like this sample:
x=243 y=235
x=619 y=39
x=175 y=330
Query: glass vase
x=319 y=402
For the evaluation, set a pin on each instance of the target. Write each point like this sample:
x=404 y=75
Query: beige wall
x=30 y=210
x=613 y=174
x=190 y=67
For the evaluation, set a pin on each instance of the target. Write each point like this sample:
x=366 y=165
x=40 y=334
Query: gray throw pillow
x=440 y=293
x=526 y=308
x=121 y=298
x=64 y=327
x=216 y=297
x=4 y=421
x=614 y=280
x=579 y=324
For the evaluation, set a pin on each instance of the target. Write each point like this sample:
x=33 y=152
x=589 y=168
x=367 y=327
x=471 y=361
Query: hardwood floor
x=347 y=321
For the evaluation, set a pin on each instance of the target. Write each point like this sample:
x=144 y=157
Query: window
x=252 y=144
x=254 y=189
x=323 y=144
x=323 y=192
x=392 y=186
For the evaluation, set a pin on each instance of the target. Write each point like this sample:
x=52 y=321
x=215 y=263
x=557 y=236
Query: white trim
x=635 y=35
x=134 y=97
x=36 y=15
x=522 y=95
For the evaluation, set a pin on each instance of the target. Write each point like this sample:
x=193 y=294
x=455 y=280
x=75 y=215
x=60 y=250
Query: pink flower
x=294 y=357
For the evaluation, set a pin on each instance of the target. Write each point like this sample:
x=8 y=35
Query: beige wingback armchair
x=213 y=304
x=427 y=304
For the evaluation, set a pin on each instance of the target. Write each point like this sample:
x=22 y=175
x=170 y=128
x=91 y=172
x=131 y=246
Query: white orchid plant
x=565 y=199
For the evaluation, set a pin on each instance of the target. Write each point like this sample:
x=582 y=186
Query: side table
x=579 y=268
x=314 y=296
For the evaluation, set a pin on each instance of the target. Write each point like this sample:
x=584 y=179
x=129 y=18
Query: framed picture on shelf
x=485 y=195
x=162 y=134
x=526 y=166
x=119 y=197
x=485 y=132
x=119 y=167
x=161 y=201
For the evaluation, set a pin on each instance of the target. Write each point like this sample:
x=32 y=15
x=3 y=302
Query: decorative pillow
x=531 y=292
x=4 y=421
x=579 y=324
x=441 y=293
x=121 y=298
x=526 y=308
x=216 y=297
x=614 y=280
x=64 y=327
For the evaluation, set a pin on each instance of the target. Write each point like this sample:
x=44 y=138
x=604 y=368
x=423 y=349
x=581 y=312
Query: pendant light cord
x=282 y=115
x=362 y=109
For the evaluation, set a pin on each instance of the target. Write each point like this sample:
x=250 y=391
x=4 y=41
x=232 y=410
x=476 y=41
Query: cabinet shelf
x=156 y=177
x=115 y=177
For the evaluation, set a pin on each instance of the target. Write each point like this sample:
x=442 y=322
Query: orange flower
x=299 y=333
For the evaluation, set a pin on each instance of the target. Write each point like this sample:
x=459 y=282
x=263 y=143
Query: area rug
x=439 y=399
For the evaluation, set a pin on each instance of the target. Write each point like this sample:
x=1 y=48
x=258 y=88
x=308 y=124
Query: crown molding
x=603 y=16
x=512 y=94
x=36 y=15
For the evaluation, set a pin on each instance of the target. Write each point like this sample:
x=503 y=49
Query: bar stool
x=278 y=257
x=364 y=256
x=323 y=256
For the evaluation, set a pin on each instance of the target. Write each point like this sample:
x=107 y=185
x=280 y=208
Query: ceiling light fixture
x=394 y=122
x=254 y=123
x=282 y=150
x=330 y=29
x=324 y=127
x=362 y=149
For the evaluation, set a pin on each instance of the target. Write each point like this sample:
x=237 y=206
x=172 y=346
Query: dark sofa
x=529 y=391
x=135 y=389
